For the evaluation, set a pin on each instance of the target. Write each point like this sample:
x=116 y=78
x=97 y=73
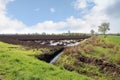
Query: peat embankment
x=105 y=68
x=104 y=65
x=47 y=57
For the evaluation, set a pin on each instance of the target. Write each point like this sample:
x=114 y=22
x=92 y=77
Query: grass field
x=112 y=39
x=17 y=64
x=107 y=49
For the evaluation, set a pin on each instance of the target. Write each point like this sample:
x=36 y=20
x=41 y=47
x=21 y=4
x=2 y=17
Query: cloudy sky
x=58 y=16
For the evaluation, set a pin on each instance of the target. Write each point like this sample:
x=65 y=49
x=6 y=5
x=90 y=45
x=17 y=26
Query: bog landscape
x=59 y=40
x=60 y=57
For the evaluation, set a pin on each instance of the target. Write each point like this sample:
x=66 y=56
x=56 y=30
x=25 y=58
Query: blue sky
x=36 y=11
x=57 y=16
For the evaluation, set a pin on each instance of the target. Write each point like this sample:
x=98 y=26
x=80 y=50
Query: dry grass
x=117 y=48
x=110 y=45
x=102 y=55
x=118 y=61
x=88 y=48
x=112 y=51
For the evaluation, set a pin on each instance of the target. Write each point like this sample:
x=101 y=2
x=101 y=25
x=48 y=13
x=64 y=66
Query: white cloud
x=98 y=14
x=52 y=10
x=94 y=17
x=73 y=24
x=77 y=24
x=91 y=20
x=103 y=4
x=3 y=4
x=80 y=4
x=8 y=25
x=48 y=26
x=110 y=8
x=113 y=9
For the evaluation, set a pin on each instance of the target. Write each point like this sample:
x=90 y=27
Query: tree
x=69 y=33
x=43 y=33
x=103 y=28
x=92 y=32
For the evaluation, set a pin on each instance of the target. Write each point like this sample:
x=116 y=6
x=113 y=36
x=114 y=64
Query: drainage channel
x=50 y=57
x=55 y=58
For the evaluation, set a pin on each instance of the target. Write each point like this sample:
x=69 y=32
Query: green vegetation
x=112 y=39
x=92 y=32
x=104 y=27
x=16 y=63
x=106 y=49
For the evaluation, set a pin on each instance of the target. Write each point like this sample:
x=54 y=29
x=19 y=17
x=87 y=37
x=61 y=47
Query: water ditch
x=55 y=54
x=52 y=56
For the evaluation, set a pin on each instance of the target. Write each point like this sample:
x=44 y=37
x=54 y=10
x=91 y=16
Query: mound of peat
x=30 y=40
x=104 y=66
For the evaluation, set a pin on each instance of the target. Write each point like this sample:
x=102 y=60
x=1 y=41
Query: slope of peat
x=97 y=57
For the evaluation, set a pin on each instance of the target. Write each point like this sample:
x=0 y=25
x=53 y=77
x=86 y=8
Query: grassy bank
x=83 y=58
x=17 y=64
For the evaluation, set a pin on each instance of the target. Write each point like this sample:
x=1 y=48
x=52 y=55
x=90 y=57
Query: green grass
x=112 y=39
x=16 y=64
x=110 y=54
x=99 y=47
